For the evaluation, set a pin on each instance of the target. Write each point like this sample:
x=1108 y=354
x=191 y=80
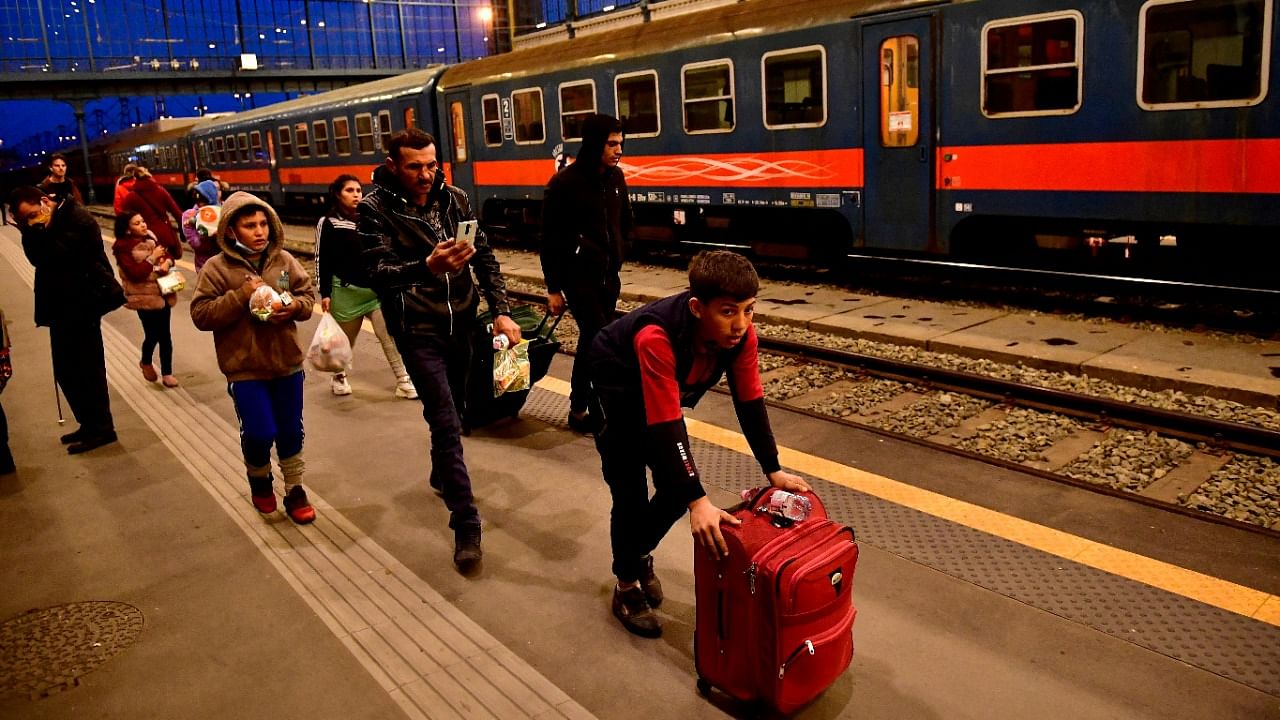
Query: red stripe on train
x=1191 y=166
x=806 y=169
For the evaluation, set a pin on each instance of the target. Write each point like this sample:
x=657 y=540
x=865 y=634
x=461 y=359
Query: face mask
x=245 y=248
x=43 y=219
x=437 y=189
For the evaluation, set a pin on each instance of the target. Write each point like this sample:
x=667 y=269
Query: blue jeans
x=438 y=366
x=270 y=413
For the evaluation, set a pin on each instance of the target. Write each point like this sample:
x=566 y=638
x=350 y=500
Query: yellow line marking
x=1156 y=573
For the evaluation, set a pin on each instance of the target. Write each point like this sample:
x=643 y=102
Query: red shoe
x=149 y=372
x=264 y=499
x=298 y=507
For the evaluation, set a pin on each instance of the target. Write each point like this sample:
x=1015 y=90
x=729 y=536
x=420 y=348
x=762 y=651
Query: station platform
x=980 y=594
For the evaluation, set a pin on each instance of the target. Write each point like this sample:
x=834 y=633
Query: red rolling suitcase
x=775 y=618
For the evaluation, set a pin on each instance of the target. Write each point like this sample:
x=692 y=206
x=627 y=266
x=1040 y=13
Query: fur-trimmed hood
x=234 y=206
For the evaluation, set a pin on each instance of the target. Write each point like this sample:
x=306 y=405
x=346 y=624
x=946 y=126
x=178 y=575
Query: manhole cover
x=47 y=650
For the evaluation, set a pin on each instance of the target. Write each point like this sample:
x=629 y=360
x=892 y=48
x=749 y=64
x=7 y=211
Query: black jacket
x=397 y=241
x=586 y=217
x=338 y=250
x=74 y=281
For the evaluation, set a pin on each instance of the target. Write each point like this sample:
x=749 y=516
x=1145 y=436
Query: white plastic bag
x=330 y=350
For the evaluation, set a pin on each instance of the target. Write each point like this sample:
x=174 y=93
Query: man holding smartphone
x=586 y=216
x=408 y=225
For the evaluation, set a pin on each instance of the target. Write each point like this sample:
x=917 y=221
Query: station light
x=485 y=14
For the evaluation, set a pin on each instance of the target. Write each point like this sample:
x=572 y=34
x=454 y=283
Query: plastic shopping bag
x=330 y=350
x=511 y=369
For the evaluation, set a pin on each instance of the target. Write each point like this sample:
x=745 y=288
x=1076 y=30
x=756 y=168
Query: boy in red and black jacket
x=645 y=366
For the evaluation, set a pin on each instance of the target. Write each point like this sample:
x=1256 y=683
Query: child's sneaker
x=405 y=389
x=264 y=498
x=339 y=385
x=298 y=507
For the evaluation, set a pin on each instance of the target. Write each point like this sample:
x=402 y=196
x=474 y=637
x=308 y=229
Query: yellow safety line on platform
x=1165 y=576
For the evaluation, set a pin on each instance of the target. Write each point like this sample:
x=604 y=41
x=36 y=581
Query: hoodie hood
x=595 y=133
x=233 y=206
x=208 y=190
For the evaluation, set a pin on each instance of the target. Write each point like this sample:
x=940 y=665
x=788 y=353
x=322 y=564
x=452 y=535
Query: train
x=1122 y=136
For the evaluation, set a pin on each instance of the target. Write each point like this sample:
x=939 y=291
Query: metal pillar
x=457 y=34
x=311 y=46
x=404 y=46
x=373 y=37
x=78 y=107
x=44 y=35
x=88 y=43
x=164 y=17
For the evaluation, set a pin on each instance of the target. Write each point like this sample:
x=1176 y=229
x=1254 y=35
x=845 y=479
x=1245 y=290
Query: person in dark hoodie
x=423 y=277
x=259 y=351
x=586 y=215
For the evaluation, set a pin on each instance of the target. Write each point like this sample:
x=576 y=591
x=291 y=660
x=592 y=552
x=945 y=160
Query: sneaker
x=633 y=611
x=584 y=424
x=263 y=497
x=170 y=381
x=298 y=507
x=650 y=583
x=339 y=384
x=466 y=548
x=149 y=372
x=406 y=390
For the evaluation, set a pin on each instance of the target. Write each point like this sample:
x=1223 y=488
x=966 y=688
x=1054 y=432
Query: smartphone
x=467 y=232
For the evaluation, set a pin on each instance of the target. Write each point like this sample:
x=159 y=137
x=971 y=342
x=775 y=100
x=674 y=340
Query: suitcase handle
x=538 y=331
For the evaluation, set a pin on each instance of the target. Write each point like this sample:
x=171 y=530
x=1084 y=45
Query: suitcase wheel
x=704 y=688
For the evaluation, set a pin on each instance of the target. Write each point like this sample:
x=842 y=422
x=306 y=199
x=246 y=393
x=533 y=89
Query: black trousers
x=637 y=522
x=156 y=331
x=438 y=365
x=592 y=306
x=6 y=457
x=80 y=369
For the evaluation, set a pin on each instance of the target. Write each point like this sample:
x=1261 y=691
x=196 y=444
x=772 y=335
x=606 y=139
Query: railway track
x=1216 y=470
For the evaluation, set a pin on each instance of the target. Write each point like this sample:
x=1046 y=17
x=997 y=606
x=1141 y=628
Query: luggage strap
x=538 y=331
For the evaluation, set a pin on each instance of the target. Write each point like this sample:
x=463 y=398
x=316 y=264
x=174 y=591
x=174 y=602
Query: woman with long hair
x=342 y=291
x=142 y=260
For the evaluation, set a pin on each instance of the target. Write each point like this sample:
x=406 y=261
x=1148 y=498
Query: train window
x=242 y=142
x=211 y=155
x=1203 y=53
x=202 y=153
x=219 y=151
x=231 y=148
x=341 y=136
x=410 y=120
x=255 y=144
x=707 y=91
x=302 y=140
x=320 y=132
x=492 y=120
x=527 y=107
x=364 y=133
x=458 y=129
x=794 y=88
x=384 y=128
x=577 y=101
x=286 y=143
x=1031 y=65
x=900 y=91
x=637 y=100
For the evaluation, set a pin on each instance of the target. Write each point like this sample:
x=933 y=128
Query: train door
x=456 y=118
x=273 y=165
x=898 y=134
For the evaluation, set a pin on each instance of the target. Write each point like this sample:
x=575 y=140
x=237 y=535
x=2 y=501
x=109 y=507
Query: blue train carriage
x=743 y=126
x=291 y=151
x=1117 y=134
x=159 y=146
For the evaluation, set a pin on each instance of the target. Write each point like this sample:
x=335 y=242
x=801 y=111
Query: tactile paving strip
x=47 y=650
x=1233 y=646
